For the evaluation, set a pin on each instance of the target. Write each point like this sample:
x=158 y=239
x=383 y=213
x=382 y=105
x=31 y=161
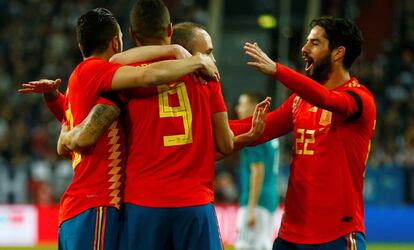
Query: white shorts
x=261 y=236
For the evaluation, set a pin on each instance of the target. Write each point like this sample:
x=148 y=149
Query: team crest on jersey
x=326 y=118
x=354 y=84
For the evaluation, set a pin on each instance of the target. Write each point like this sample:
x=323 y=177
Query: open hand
x=209 y=71
x=259 y=118
x=42 y=86
x=180 y=52
x=260 y=60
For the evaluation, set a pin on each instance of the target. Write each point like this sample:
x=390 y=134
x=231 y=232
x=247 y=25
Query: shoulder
x=354 y=87
x=94 y=65
x=363 y=97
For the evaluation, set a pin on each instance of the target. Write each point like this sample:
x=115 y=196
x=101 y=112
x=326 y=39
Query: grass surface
x=369 y=247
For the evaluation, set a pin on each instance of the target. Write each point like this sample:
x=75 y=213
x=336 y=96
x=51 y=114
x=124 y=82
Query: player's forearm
x=56 y=105
x=51 y=96
x=144 y=53
x=244 y=140
x=154 y=74
x=314 y=93
x=238 y=142
x=240 y=126
x=62 y=150
x=278 y=122
x=170 y=70
x=223 y=136
x=70 y=139
x=256 y=183
x=92 y=127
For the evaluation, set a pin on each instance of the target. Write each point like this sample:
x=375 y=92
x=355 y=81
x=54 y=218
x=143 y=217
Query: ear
x=339 y=53
x=114 y=44
x=133 y=36
x=81 y=49
x=169 y=30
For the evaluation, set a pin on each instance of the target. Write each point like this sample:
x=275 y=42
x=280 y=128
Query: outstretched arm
x=149 y=53
x=258 y=125
x=346 y=104
x=85 y=134
x=53 y=98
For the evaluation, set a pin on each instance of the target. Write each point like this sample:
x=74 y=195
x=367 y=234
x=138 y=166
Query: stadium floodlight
x=267 y=21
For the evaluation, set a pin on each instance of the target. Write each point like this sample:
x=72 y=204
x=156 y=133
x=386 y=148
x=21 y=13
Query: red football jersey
x=170 y=143
x=98 y=170
x=57 y=107
x=332 y=132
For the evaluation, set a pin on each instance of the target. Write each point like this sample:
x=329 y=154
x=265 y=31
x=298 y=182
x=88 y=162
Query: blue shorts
x=352 y=241
x=186 y=228
x=96 y=228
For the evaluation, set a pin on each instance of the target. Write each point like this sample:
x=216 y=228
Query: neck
x=106 y=55
x=152 y=42
x=337 y=77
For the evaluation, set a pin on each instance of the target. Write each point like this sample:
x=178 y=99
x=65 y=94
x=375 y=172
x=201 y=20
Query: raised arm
x=85 y=134
x=163 y=72
x=149 y=53
x=344 y=103
x=277 y=123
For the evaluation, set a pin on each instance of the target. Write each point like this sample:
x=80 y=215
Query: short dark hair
x=254 y=96
x=149 y=20
x=95 y=29
x=341 y=32
x=184 y=34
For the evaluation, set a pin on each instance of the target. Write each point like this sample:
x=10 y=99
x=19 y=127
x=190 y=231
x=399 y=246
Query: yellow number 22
x=306 y=141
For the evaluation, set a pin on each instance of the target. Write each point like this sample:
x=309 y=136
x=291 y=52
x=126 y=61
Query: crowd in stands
x=37 y=40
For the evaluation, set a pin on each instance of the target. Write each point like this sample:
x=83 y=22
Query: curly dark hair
x=341 y=32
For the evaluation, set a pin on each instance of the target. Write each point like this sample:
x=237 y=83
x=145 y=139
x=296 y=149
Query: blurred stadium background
x=37 y=40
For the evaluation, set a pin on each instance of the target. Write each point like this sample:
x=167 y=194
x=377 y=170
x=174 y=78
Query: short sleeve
x=217 y=103
x=104 y=74
x=105 y=101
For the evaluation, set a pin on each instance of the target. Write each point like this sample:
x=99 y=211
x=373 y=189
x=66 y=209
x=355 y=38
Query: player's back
x=170 y=144
x=324 y=199
x=98 y=170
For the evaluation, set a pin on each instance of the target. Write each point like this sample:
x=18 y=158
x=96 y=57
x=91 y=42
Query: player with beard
x=332 y=117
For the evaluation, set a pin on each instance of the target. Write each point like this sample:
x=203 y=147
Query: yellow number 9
x=183 y=110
